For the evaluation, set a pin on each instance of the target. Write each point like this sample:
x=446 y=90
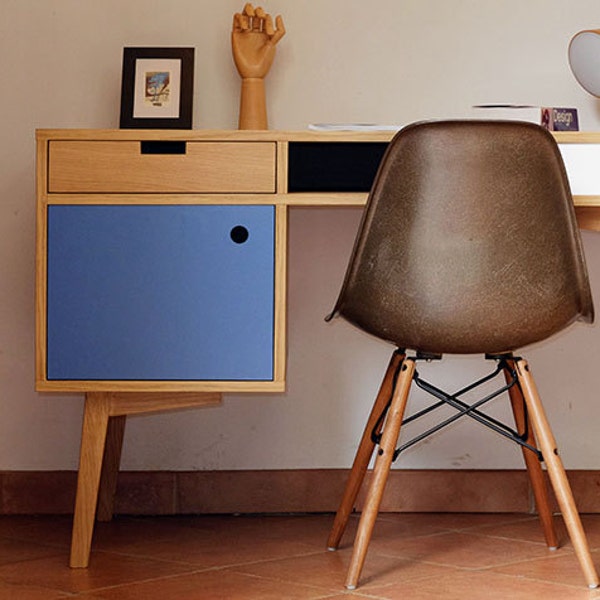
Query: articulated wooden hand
x=253 y=41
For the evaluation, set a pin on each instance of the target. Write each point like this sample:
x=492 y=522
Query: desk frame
x=108 y=403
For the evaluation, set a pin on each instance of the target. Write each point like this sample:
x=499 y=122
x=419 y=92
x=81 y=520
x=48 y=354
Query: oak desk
x=161 y=268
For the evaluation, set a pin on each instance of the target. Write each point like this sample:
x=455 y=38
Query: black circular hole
x=239 y=234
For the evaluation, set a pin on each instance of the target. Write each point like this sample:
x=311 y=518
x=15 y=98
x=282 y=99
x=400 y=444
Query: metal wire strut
x=462 y=407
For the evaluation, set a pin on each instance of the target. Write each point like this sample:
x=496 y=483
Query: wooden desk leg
x=110 y=467
x=102 y=440
x=93 y=438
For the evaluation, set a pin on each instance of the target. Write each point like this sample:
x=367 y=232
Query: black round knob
x=239 y=234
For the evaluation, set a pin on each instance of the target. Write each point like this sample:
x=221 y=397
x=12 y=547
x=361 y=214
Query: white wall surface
x=388 y=61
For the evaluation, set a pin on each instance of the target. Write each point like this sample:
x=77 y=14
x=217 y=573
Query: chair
x=468 y=245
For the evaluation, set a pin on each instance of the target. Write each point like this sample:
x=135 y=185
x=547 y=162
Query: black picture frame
x=157 y=88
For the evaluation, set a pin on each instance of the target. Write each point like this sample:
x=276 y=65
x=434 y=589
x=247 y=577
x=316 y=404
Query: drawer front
x=160 y=293
x=161 y=167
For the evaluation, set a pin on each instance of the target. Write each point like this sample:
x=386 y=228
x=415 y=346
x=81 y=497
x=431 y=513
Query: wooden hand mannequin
x=253 y=42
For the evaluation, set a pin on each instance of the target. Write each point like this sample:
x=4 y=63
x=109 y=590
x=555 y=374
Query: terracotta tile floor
x=412 y=557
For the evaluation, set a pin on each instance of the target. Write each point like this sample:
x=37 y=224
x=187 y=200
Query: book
x=551 y=118
x=509 y=112
x=353 y=127
x=560 y=119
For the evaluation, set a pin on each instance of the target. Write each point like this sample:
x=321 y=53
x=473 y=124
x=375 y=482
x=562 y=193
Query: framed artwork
x=157 y=88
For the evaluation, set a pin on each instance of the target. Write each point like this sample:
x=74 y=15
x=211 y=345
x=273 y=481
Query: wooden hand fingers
x=258 y=21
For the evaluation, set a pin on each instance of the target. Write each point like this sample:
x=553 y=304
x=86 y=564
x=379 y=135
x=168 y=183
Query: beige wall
x=389 y=61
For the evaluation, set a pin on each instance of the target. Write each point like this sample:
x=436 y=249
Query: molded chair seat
x=468 y=245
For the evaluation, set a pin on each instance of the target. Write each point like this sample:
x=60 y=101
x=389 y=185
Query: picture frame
x=157 y=88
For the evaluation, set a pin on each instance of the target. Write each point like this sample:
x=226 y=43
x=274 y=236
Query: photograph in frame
x=157 y=88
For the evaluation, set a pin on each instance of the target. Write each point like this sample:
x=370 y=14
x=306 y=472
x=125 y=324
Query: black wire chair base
x=463 y=408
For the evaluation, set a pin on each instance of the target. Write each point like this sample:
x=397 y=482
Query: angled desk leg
x=101 y=442
x=93 y=437
x=110 y=467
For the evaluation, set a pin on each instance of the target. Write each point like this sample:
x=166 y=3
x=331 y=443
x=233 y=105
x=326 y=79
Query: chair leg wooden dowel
x=557 y=474
x=534 y=467
x=391 y=432
x=363 y=455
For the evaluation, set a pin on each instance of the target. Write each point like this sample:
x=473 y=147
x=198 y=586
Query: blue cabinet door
x=160 y=292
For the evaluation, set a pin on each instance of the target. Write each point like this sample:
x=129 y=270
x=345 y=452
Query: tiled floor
x=412 y=557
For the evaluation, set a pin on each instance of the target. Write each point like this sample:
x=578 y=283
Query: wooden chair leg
x=93 y=437
x=556 y=472
x=385 y=455
x=534 y=467
x=363 y=455
x=110 y=467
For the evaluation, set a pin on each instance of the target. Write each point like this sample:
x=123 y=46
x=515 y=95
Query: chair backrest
x=469 y=242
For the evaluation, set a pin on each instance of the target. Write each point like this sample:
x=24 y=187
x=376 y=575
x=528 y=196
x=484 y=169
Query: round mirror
x=584 y=59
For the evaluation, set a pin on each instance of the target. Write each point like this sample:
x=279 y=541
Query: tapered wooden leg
x=363 y=454
x=93 y=437
x=556 y=472
x=385 y=455
x=534 y=467
x=110 y=467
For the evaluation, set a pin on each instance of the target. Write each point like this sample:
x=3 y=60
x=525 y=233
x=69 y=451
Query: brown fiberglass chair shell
x=469 y=245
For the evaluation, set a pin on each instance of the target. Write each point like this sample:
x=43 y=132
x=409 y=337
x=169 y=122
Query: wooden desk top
x=562 y=137
x=587 y=203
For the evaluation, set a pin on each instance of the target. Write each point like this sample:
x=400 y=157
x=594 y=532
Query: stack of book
x=551 y=118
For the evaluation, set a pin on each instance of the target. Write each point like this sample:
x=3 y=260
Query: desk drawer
x=161 y=167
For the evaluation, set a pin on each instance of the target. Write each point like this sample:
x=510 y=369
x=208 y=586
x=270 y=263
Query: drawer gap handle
x=239 y=234
x=163 y=147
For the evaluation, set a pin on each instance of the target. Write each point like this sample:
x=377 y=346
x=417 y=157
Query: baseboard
x=282 y=491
